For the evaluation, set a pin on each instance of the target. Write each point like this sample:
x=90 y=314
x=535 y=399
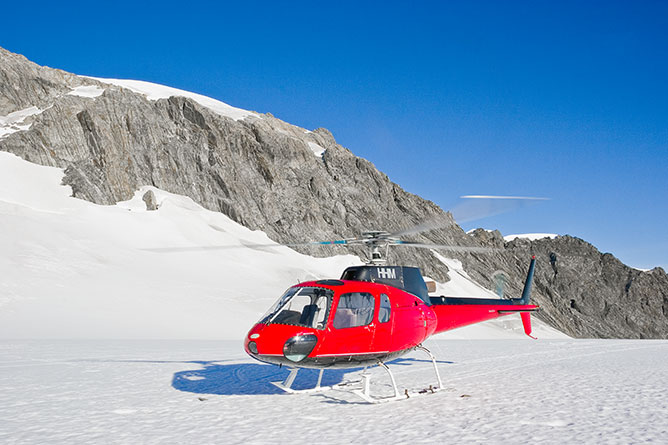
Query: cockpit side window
x=307 y=306
x=385 y=309
x=354 y=309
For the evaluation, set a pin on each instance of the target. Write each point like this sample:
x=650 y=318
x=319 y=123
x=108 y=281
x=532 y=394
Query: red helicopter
x=374 y=313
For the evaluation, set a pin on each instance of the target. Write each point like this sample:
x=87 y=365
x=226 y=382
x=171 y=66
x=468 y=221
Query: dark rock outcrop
x=150 y=201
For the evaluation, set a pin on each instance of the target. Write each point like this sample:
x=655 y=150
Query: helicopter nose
x=280 y=345
x=252 y=338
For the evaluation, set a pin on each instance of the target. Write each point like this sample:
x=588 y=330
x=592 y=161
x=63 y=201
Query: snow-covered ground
x=550 y=391
x=73 y=269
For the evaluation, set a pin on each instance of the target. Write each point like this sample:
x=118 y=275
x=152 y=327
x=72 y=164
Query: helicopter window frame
x=278 y=305
x=384 y=309
x=348 y=314
x=285 y=315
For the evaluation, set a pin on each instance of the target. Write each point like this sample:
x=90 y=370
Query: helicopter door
x=383 y=334
x=353 y=325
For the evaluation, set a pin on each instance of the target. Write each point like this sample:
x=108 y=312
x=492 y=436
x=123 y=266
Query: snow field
x=76 y=269
x=556 y=391
x=73 y=269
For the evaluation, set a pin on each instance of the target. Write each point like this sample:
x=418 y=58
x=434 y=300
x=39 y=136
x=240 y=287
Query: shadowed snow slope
x=72 y=268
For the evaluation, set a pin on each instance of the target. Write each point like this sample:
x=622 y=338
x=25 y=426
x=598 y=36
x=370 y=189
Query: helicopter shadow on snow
x=215 y=378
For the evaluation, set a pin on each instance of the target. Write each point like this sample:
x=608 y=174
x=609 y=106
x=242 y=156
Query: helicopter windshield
x=301 y=306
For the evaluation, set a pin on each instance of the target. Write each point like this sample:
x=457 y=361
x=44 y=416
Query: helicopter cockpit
x=301 y=306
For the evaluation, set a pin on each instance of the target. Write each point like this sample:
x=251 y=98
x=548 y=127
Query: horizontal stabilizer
x=512 y=310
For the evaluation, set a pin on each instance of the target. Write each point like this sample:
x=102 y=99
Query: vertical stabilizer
x=526 y=293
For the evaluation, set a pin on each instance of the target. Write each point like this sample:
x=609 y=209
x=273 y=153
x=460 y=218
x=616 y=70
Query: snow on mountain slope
x=13 y=122
x=460 y=283
x=317 y=149
x=90 y=91
x=530 y=236
x=154 y=91
x=76 y=269
x=72 y=268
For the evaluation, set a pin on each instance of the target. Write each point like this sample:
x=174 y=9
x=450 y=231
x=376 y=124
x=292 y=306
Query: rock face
x=150 y=200
x=271 y=176
x=582 y=291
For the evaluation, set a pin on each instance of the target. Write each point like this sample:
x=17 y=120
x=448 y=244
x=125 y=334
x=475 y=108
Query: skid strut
x=286 y=385
x=365 y=392
x=433 y=362
x=366 y=383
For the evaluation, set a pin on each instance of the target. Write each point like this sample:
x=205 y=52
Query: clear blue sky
x=566 y=100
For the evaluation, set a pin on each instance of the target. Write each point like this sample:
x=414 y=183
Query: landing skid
x=286 y=385
x=364 y=392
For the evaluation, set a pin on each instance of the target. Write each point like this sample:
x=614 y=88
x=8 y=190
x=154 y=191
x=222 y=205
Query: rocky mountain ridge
x=295 y=185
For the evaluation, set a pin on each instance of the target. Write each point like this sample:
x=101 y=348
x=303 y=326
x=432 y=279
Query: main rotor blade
x=476 y=207
x=249 y=246
x=446 y=247
x=482 y=206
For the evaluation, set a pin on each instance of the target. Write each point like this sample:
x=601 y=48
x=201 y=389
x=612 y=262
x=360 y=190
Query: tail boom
x=453 y=316
x=454 y=313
